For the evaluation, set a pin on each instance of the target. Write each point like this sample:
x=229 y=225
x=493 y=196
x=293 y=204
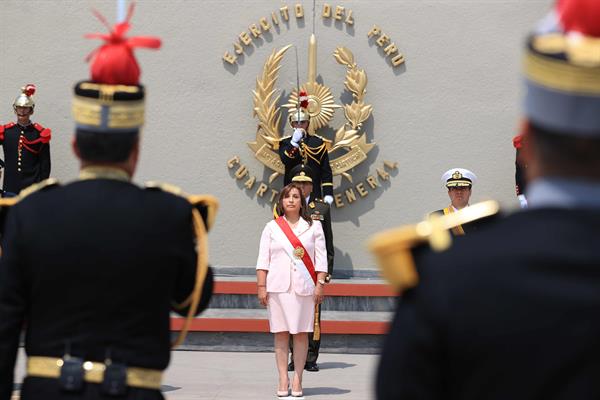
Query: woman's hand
x=318 y=295
x=263 y=297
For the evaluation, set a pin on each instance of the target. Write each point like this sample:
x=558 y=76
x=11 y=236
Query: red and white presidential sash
x=294 y=248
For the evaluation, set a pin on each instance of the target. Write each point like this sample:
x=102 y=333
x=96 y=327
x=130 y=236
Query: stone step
x=355 y=314
x=340 y=295
x=248 y=330
x=338 y=273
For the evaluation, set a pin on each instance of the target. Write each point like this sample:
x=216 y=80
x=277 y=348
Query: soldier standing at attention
x=319 y=211
x=26 y=146
x=95 y=280
x=308 y=149
x=512 y=311
x=459 y=182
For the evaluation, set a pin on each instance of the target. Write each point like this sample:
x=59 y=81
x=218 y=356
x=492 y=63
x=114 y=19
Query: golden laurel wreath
x=321 y=108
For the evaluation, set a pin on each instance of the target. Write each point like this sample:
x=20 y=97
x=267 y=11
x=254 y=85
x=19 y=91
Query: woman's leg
x=281 y=358
x=300 y=353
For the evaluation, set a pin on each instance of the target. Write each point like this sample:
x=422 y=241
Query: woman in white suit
x=290 y=272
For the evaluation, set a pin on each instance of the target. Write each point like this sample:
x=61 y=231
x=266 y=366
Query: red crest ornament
x=303 y=98
x=114 y=62
x=29 y=89
x=580 y=16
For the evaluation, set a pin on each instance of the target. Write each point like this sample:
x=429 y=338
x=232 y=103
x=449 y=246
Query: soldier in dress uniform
x=94 y=281
x=459 y=182
x=319 y=210
x=511 y=311
x=308 y=149
x=26 y=146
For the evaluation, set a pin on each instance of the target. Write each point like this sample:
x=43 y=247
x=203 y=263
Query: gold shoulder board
x=392 y=248
x=277 y=142
x=328 y=143
x=35 y=188
x=204 y=200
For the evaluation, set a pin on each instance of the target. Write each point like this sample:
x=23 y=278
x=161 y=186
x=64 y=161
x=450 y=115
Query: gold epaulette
x=206 y=200
x=29 y=190
x=328 y=143
x=277 y=142
x=392 y=248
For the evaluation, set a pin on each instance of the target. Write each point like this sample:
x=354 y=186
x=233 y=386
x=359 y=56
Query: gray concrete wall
x=455 y=102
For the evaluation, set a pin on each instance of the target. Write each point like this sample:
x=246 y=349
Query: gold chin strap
x=201 y=271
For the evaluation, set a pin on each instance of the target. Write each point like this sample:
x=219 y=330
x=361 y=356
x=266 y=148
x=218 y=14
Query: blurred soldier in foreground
x=511 y=312
x=308 y=149
x=459 y=182
x=319 y=211
x=95 y=279
x=26 y=146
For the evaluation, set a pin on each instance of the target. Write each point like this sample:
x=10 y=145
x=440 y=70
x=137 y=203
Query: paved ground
x=207 y=375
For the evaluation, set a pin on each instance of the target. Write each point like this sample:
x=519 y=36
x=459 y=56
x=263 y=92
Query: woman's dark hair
x=303 y=208
x=105 y=147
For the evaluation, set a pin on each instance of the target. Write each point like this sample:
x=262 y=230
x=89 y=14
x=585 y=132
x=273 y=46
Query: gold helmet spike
x=25 y=98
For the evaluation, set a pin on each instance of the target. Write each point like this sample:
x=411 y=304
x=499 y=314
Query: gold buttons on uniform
x=20 y=151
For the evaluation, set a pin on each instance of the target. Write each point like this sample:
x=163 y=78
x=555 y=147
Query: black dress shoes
x=291 y=366
x=311 y=367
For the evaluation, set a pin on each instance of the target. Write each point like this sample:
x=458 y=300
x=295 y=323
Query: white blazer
x=284 y=271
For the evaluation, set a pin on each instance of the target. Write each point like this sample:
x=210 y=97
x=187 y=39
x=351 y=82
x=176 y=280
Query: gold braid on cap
x=393 y=248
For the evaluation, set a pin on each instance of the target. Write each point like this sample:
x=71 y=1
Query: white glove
x=522 y=200
x=297 y=136
x=328 y=199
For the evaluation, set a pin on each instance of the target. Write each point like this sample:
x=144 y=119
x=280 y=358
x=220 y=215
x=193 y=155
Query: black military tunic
x=313 y=153
x=95 y=267
x=510 y=312
x=26 y=155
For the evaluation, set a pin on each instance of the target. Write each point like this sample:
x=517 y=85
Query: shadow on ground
x=167 y=388
x=313 y=391
x=332 y=365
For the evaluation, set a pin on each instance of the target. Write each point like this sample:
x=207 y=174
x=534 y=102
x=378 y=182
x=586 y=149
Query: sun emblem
x=320 y=104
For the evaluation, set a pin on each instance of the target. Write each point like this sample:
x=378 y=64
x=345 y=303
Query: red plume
x=29 y=89
x=303 y=97
x=581 y=16
x=114 y=63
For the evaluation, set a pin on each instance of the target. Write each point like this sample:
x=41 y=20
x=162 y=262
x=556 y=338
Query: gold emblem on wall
x=350 y=139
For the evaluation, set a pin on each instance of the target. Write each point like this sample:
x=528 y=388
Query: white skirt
x=291 y=313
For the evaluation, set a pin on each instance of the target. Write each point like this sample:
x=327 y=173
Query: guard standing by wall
x=459 y=182
x=319 y=210
x=511 y=312
x=94 y=281
x=309 y=149
x=26 y=146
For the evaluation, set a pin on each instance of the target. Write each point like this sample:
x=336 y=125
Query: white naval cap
x=458 y=177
